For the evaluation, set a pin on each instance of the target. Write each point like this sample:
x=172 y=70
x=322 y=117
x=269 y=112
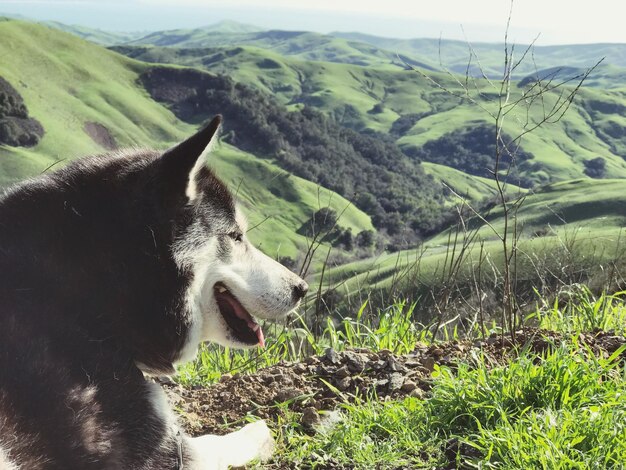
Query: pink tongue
x=259 y=334
x=245 y=316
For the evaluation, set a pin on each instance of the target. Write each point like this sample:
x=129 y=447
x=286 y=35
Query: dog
x=113 y=267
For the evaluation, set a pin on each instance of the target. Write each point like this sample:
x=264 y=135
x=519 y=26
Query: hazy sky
x=558 y=21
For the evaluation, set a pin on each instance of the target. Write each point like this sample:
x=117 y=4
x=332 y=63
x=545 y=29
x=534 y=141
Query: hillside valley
x=395 y=147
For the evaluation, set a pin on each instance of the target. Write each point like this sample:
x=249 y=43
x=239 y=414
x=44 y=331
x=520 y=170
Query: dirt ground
x=323 y=382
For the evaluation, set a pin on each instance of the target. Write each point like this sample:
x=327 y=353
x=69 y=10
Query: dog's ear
x=181 y=164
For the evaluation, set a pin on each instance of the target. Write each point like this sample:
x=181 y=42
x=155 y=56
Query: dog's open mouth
x=245 y=328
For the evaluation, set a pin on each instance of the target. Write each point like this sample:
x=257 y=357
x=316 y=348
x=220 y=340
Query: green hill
x=303 y=45
x=406 y=105
x=582 y=219
x=87 y=97
x=367 y=50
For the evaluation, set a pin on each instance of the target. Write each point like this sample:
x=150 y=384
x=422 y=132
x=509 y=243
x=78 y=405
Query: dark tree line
x=368 y=169
x=473 y=151
x=16 y=128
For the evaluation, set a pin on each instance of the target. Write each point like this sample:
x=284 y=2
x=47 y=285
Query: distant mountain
x=455 y=55
x=106 y=38
x=301 y=44
x=606 y=77
x=232 y=27
x=429 y=54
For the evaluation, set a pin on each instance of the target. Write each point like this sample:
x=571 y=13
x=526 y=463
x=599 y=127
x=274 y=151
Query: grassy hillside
x=587 y=217
x=368 y=50
x=277 y=203
x=409 y=107
x=67 y=82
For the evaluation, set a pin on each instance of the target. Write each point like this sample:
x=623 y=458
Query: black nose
x=300 y=290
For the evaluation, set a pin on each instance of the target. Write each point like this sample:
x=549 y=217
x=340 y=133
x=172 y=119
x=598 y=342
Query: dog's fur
x=114 y=266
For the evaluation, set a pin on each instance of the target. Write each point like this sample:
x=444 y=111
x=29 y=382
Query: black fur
x=88 y=290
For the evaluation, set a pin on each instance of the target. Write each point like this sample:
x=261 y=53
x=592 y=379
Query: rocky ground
x=321 y=383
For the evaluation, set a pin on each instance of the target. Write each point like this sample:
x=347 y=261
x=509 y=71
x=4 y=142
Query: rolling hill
x=79 y=92
x=304 y=45
x=368 y=50
x=416 y=113
x=455 y=55
x=84 y=86
x=580 y=222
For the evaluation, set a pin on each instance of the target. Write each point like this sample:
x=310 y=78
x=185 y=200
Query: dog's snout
x=300 y=290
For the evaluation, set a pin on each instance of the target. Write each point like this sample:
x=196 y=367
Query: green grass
x=393 y=330
x=581 y=221
x=66 y=82
x=582 y=311
x=559 y=410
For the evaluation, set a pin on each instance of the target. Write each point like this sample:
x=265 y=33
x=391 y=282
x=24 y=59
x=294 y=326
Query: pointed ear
x=181 y=164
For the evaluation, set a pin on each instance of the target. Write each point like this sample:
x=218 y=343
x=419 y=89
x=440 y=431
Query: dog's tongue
x=259 y=334
x=244 y=315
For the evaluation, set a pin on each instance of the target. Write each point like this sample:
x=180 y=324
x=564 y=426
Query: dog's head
x=232 y=283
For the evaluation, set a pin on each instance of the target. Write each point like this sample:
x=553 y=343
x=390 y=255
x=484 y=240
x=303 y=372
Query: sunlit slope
x=66 y=82
x=409 y=107
x=587 y=214
x=278 y=204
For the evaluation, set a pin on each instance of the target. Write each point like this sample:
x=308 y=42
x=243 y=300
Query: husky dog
x=114 y=266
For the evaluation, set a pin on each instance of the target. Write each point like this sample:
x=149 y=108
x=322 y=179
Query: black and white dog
x=113 y=266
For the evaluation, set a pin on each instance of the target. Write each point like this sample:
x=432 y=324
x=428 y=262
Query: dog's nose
x=300 y=290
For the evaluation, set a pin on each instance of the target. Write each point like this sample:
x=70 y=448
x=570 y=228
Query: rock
x=310 y=417
x=412 y=363
x=344 y=384
x=342 y=372
x=378 y=365
x=396 y=380
x=356 y=362
x=408 y=386
x=311 y=360
x=394 y=366
x=331 y=356
x=428 y=363
x=417 y=393
x=287 y=394
x=382 y=382
x=322 y=370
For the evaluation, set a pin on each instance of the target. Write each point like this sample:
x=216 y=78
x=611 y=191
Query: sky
x=554 y=21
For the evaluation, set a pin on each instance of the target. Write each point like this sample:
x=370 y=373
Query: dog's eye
x=237 y=236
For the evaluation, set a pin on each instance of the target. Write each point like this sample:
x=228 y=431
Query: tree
x=596 y=167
